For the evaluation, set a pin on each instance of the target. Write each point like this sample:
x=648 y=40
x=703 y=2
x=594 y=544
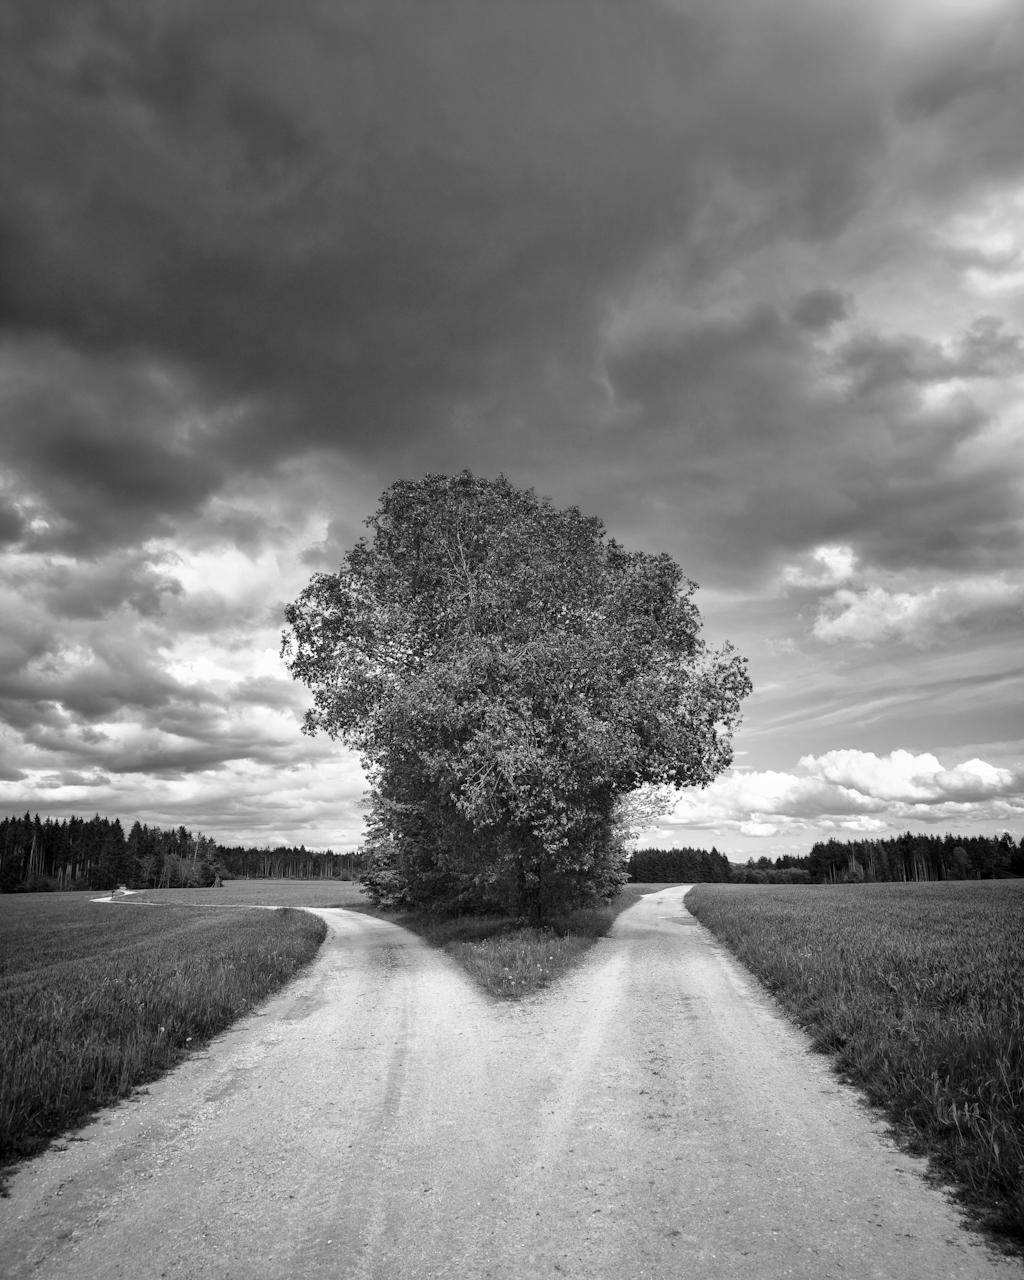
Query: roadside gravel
x=651 y=1114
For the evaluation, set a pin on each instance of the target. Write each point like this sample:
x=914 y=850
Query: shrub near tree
x=507 y=673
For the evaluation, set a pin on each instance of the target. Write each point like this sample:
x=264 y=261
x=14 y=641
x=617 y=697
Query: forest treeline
x=662 y=866
x=906 y=857
x=95 y=853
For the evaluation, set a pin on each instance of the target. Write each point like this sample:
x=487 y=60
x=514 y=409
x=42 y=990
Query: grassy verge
x=919 y=992
x=97 y=999
x=510 y=959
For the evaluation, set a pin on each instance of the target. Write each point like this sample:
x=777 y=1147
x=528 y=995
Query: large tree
x=507 y=673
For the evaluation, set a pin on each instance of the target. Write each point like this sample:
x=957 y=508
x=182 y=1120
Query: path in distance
x=650 y=1115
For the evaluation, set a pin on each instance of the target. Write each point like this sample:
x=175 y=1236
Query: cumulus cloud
x=920 y=779
x=151 y=681
x=922 y=618
x=851 y=791
x=823 y=566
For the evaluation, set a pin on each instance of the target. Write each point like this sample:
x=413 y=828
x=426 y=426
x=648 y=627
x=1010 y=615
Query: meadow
x=96 y=999
x=260 y=893
x=918 y=991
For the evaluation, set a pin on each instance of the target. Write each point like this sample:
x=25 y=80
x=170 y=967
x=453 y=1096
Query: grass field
x=509 y=959
x=261 y=893
x=918 y=989
x=96 y=999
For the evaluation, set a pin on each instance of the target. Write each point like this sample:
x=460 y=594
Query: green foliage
x=37 y=856
x=94 y=999
x=911 y=856
x=764 y=871
x=507 y=672
x=678 y=866
x=919 y=991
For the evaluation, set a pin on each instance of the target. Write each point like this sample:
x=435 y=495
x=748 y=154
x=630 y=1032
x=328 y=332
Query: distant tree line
x=906 y=857
x=661 y=866
x=94 y=853
x=284 y=863
x=918 y=857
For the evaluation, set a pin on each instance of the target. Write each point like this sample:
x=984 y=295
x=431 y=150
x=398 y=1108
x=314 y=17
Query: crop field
x=96 y=999
x=918 y=989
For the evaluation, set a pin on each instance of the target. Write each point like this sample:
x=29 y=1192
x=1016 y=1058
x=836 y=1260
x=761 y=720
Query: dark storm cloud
x=820 y=309
x=104 y=453
x=877 y=363
x=344 y=225
x=11 y=524
x=161 y=756
x=98 y=589
x=40 y=684
x=283 y=204
x=780 y=443
x=971 y=84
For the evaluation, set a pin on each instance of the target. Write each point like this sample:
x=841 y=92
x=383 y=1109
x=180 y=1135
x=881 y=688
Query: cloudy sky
x=745 y=278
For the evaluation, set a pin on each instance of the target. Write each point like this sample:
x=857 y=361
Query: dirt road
x=651 y=1115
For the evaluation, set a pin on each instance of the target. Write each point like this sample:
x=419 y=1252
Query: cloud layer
x=745 y=280
x=849 y=791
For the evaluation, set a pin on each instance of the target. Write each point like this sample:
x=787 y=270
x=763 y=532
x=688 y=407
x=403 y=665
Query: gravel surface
x=649 y=1115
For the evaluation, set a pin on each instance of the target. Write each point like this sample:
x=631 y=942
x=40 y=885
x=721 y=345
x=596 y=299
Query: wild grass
x=918 y=990
x=510 y=959
x=96 y=999
x=261 y=893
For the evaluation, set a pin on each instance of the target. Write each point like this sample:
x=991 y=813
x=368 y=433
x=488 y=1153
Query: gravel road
x=650 y=1115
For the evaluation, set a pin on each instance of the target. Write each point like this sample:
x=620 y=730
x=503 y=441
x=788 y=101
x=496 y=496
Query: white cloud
x=875 y=615
x=988 y=238
x=825 y=566
x=760 y=829
x=909 y=779
x=149 y=684
x=862 y=824
x=854 y=791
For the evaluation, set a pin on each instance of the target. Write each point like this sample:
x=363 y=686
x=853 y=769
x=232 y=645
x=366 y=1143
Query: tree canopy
x=507 y=672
